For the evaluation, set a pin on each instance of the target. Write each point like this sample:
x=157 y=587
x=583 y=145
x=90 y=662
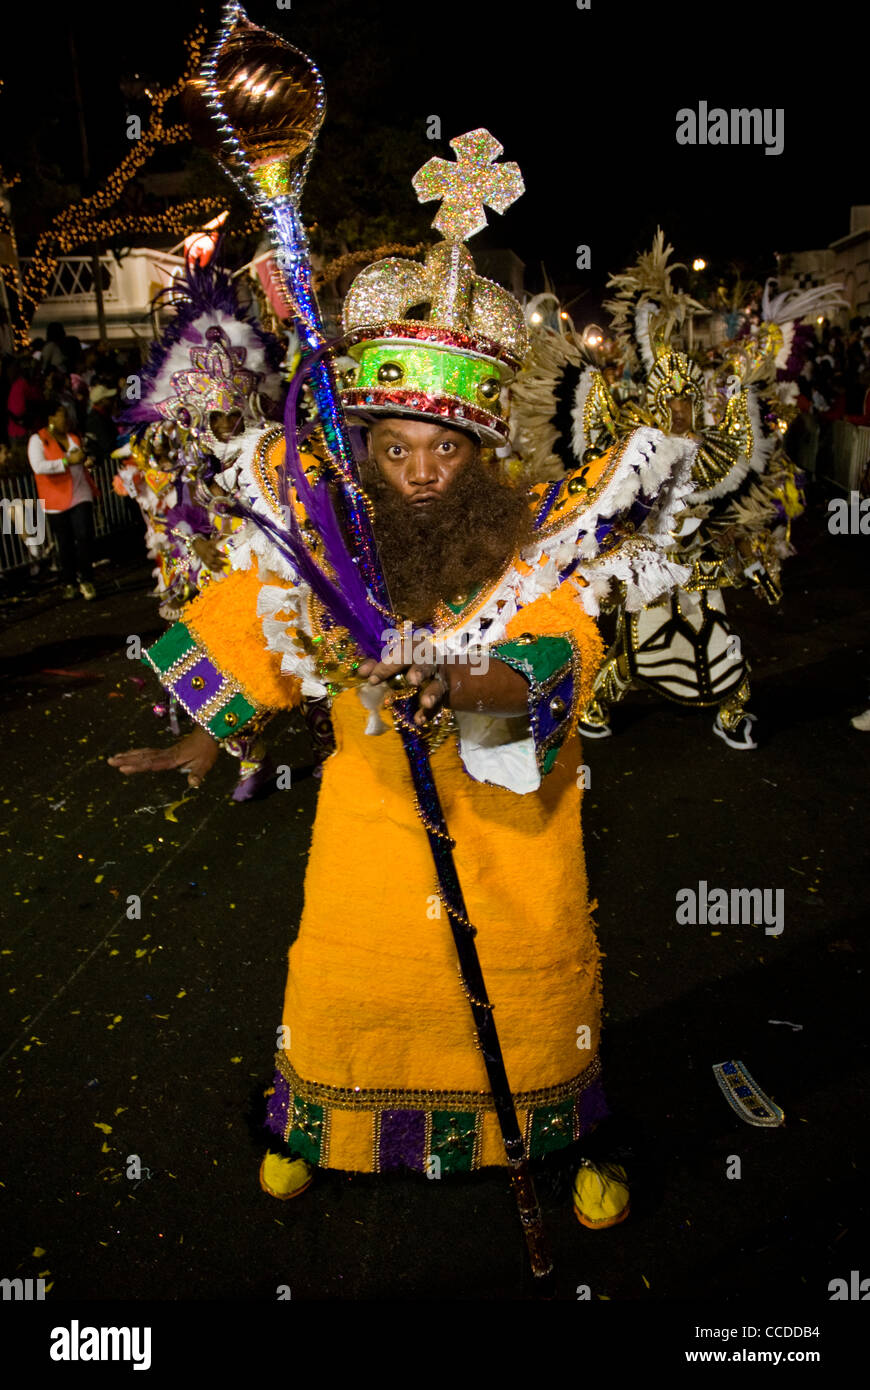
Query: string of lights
x=334 y=268
x=73 y=227
x=9 y=272
x=81 y=224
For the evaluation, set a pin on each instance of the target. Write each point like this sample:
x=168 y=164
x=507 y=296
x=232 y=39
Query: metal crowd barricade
x=15 y=488
x=114 y=514
x=850 y=455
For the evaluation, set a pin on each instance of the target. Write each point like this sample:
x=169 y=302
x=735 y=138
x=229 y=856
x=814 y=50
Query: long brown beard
x=463 y=540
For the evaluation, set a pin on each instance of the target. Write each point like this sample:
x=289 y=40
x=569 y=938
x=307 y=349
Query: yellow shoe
x=285 y=1177
x=601 y=1196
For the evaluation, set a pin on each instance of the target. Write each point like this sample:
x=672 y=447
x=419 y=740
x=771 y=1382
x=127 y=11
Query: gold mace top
x=267 y=98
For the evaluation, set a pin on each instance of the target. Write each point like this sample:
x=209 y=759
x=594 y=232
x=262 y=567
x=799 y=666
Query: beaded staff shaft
x=470 y=972
x=267 y=99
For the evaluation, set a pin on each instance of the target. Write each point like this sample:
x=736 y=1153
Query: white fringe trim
x=249 y=544
x=273 y=600
x=579 y=438
x=652 y=462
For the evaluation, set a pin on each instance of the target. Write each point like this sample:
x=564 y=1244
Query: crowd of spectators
x=835 y=380
x=90 y=380
x=60 y=402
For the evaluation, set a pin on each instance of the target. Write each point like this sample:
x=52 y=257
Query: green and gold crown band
x=453 y=365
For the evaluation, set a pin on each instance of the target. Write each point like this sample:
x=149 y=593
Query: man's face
x=419 y=459
x=224 y=425
x=444 y=521
x=681 y=414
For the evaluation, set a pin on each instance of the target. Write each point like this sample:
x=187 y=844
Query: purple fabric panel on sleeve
x=591 y=1107
x=278 y=1107
x=188 y=694
x=546 y=721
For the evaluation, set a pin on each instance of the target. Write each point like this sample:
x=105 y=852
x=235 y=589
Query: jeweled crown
x=673 y=374
x=218 y=382
x=454 y=364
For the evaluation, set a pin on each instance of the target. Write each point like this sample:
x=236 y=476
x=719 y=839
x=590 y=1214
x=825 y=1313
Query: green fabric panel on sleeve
x=539 y=659
x=552 y=1128
x=231 y=717
x=169 y=648
x=305 y=1135
x=549 y=759
x=453 y=1140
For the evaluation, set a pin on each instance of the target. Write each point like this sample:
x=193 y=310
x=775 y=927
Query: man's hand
x=195 y=754
x=431 y=687
x=460 y=685
x=210 y=554
x=74 y=455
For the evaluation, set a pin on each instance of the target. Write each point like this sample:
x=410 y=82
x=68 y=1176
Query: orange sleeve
x=223 y=619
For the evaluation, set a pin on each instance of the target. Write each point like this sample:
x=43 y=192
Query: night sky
x=584 y=101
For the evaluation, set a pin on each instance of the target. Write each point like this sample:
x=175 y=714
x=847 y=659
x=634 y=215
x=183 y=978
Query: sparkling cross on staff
x=465 y=186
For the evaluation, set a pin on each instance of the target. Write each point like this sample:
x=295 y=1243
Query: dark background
x=584 y=101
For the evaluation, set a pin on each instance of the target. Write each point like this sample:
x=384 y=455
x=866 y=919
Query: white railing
x=72 y=279
x=128 y=288
x=113 y=513
x=850 y=454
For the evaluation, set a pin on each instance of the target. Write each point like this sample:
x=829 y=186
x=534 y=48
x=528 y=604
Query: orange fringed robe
x=379 y=1066
x=381 y=1063
x=223 y=618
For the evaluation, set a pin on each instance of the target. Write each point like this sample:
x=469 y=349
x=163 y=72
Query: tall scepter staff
x=267 y=100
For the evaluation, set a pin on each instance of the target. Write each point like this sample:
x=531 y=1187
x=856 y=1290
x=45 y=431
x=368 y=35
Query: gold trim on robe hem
x=360 y=1098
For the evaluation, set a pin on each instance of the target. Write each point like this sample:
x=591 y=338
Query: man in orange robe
x=379 y=1067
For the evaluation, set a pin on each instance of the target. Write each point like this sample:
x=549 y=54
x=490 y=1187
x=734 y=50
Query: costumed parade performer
x=442 y=1008
x=140 y=477
x=682 y=646
x=212 y=380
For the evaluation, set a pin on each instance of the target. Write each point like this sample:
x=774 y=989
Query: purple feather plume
x=346 y=598
x=199 y=290
x=187 y=512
